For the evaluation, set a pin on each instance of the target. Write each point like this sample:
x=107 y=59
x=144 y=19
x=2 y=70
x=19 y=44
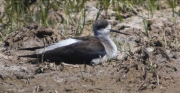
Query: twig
x=158 y=79
x=81 y=72
x=43 y=50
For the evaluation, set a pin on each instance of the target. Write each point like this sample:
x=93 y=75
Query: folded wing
x=79 y=51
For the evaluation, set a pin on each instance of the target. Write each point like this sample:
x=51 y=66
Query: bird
x=80 y=50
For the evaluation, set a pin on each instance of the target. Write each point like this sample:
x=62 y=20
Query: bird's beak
x=111 y=30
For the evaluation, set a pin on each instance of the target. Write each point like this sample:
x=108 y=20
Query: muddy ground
x=145 y=63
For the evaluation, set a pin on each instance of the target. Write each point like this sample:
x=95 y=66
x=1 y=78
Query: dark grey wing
x=80 y=52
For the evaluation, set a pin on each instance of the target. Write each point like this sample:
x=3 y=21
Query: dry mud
x=145 y=63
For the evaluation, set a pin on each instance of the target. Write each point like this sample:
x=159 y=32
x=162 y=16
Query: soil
x=146 y=62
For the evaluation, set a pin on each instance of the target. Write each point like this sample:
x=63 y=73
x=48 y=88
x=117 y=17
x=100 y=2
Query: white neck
x=103 y=36
x=109 y=45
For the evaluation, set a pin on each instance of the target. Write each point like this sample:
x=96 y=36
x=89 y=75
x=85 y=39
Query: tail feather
x=30 y=56
x=31 y=49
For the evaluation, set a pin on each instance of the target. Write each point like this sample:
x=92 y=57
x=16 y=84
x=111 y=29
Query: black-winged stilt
x=89 y=50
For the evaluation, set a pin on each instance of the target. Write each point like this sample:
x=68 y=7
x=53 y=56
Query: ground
x=147 y=61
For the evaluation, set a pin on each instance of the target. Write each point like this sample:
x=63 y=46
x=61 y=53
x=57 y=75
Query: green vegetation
x=21 y=12
x=172 y=4
x=145 y=22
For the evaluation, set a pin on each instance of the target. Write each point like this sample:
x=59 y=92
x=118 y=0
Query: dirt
x=145 y=63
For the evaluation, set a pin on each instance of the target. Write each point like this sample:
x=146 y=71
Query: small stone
x=122 y=56
x=149 y=49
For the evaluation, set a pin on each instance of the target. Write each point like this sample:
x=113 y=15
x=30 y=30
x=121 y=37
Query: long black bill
x=111 y=30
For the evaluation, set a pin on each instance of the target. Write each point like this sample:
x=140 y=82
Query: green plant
x=152 y=6
x=145 y=22
x=75 y=7
x=103 y=5
x=13 y=16
x=44 y=12
x=172 y=4
x=124 y=6
x=17 y=13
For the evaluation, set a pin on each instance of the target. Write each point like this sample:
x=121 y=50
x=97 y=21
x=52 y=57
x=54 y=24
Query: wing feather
x=80 y=52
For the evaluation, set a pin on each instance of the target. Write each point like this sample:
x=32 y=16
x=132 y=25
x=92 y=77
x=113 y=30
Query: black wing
x=78 y=53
